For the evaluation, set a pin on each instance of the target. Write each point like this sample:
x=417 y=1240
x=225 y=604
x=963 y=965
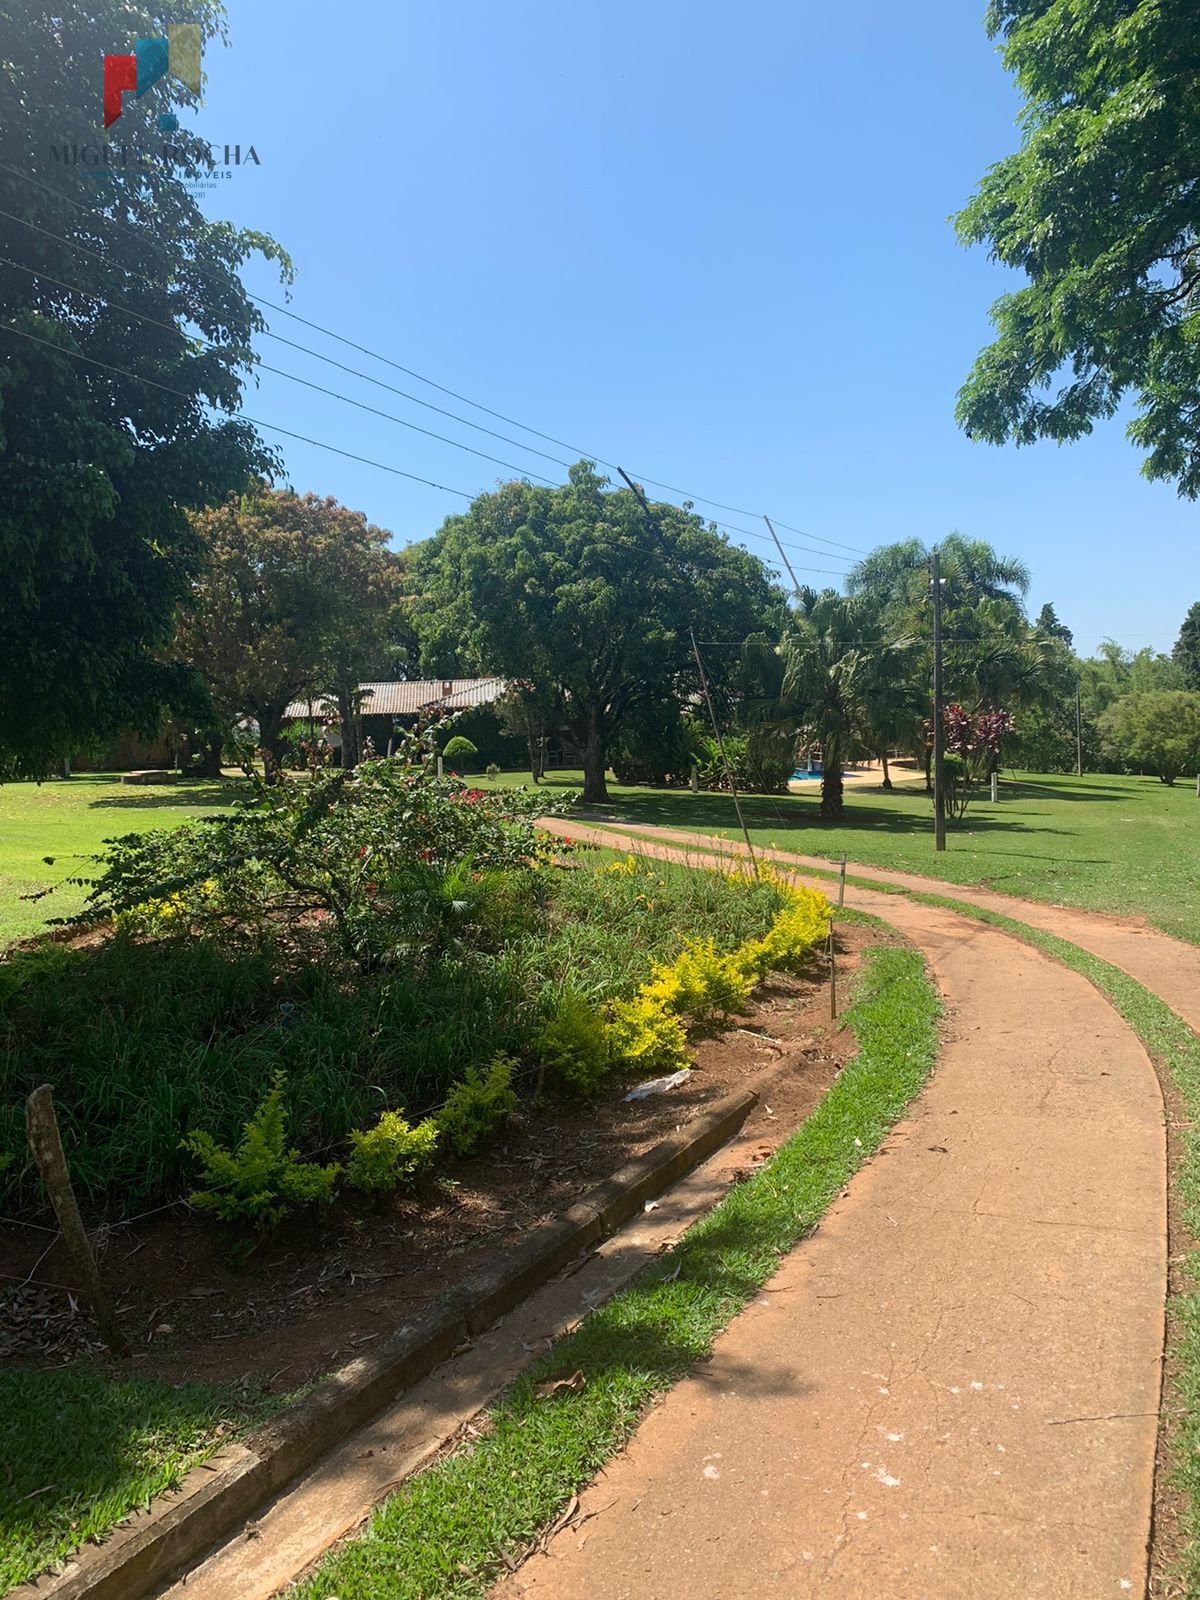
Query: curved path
x=1169 y=968
x=952 y=1388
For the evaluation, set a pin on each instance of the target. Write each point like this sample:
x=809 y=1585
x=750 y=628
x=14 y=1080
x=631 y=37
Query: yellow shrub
x=645 y=1036
x=648 y=1031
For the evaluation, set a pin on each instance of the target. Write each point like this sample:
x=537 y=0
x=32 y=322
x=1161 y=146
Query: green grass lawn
x=1127 y=845
x=69 y=820
x=1100 y=842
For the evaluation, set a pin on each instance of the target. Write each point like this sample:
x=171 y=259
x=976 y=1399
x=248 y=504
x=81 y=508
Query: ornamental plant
x=390 y=1153
x=262 y=1179
x=357 y=858
x=481 y=1100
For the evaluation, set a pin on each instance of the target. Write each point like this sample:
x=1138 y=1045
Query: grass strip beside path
x=451 y=1531
x=80 y=1451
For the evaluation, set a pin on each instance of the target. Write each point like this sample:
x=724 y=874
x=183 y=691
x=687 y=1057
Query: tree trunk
x=929 y=769
x=210 y=755
x=887 y=777
x=345 y=704
x=832 y=787
x=534 y=738
x=595 y=764
x=270 y=726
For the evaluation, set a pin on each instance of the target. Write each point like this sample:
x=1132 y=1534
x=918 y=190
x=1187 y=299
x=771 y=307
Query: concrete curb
x=214 y=1499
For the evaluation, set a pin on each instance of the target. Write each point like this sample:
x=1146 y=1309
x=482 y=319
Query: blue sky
x=707 y=242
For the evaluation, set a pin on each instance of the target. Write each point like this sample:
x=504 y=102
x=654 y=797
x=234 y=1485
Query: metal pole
x=1078 y=734
x=939 y=737
x=842 y=884
x=782 y=557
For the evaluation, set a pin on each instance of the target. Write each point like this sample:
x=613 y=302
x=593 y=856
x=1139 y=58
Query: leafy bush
x=701 y=984
x=390 y=1153
x=492 y=771
x=573 y=1043
x=645 y=1037
x=354 y=860
x=262 y=1179
x=483 y=1098
x=459 y=752
x=1157 y=732
x=649 y=1033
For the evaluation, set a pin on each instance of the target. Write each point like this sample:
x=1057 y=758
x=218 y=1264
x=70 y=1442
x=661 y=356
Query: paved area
x=952 y=1388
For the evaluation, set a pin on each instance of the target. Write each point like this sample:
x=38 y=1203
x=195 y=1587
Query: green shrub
x=484 y=1097
x=387 y=1155
x=459 y=752
x=262 y=1179
x=492 y=771
x=573 y=1043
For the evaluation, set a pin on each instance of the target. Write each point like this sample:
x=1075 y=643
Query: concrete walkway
x=951 y=1389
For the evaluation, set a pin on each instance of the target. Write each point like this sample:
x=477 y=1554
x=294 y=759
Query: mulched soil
x=201 y=1301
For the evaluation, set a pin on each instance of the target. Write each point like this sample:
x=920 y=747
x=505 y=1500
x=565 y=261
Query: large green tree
x=1100 y=208
x=292 y=599
x=582 y=592
x=1156 y=732
x=107 y=268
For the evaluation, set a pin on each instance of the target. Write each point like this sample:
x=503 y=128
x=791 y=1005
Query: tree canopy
x=1157 y=732
x=292 y=598
x=1186 y=654
x=97 y=467
x=1100 y=208
x=577 y=589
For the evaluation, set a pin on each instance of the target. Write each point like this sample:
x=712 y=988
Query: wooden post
x=695 y=779
x=832 y=980
x=842 y=883
x=41 y=1128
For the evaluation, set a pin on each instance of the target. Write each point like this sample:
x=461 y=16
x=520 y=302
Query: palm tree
x=895 y=702
x=813 y=684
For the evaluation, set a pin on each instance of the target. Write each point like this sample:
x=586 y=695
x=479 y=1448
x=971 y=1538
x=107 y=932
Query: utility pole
x=782 y=556
x=1078 y=734
x=939 y=736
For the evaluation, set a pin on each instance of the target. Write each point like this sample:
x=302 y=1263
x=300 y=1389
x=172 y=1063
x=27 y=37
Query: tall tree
x=1048 y=623
x=283 y=605
x=1186 y=653
x=814 y=685
x=1159 y=732
x=579 y=591
x=1100 y=208
x=107 y=269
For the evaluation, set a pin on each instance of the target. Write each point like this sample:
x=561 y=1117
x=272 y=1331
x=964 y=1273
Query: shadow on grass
x=183 y=794
x=80 y=1452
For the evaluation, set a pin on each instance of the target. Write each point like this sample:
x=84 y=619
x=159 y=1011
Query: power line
x=59 y=194
x=272 y=427
x=99 y=294
x=266 y=367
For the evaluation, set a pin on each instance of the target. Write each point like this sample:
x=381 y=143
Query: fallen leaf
x=572 y=1385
